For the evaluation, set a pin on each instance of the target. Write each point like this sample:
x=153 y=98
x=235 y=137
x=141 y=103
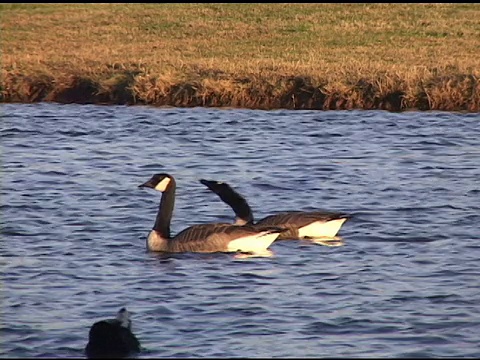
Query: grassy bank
x=263 y=56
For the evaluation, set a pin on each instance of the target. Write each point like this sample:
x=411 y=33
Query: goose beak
x=147 y=184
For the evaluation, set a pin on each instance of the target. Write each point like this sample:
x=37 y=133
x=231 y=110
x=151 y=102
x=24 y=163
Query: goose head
x=123 y=317
x=218 y=187
x=160 y=182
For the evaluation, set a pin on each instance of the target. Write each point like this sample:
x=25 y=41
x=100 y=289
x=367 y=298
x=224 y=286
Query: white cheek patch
x=162 y=185
x=124 y=318
x=257 y=243
x=321 y=229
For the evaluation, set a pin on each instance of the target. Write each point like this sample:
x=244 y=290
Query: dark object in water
x=112 y=338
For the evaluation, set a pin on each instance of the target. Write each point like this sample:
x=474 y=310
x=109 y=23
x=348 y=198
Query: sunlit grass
x=355 y=55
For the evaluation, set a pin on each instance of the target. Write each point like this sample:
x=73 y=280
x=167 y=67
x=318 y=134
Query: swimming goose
x=204 y=238
x=299 y=225
x=112 y=338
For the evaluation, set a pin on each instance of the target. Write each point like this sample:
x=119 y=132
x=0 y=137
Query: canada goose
x=299 y=225
x=112 y=338
x=204 y=238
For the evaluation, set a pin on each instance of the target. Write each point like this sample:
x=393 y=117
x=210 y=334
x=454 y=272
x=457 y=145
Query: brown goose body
x=297 y=224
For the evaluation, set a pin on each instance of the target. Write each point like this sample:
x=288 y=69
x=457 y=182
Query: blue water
x=406 y=282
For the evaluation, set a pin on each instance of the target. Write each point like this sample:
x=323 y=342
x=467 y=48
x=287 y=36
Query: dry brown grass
x=298 y=56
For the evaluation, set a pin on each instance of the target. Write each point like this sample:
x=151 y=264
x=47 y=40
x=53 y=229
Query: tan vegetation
x=262 y=56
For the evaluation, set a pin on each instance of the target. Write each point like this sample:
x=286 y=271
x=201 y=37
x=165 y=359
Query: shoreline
x=455 y=92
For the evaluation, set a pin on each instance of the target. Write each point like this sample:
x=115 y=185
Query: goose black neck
x=239 y=205
x=165 y=211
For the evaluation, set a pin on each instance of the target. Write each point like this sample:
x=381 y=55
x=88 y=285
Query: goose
x=299 y=225
x=112 y=338
x=203 y=238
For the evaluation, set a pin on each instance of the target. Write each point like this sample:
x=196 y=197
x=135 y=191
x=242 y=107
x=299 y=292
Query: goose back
x=218 y=237
x=304 y=225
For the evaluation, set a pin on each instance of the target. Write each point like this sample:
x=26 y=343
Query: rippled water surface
x=406 y=282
